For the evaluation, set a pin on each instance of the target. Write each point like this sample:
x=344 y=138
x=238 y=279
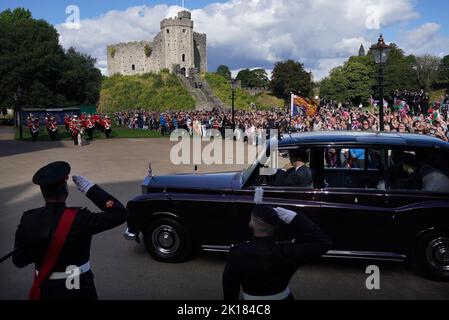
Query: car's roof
x=361 y=138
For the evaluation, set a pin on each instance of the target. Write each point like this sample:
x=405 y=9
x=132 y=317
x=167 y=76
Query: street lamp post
x=380 y=52
x=18 y=106
x=233 y=84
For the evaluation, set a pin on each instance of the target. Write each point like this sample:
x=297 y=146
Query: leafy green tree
x=351 y=82
x=290 y=76
x=81 y=81
x=335 y=86
x=224 y=71
x=442 y=80
x=32 y=58
x=427 y=67
x=260 y=78
x=256 y=78
x=399 y=73
x=358 y=79
x=245 y=77
x=15 y=15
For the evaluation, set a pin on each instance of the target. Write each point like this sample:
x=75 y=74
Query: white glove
x=286 y=215
x=82 y=184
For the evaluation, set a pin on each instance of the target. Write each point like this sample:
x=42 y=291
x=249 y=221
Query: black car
x=378 y=195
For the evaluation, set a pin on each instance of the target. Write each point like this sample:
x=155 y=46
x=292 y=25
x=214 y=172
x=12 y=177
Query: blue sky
x=256 y=33
x=54 y=10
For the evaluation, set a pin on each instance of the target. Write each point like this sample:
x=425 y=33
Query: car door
x=304 y=200
x=353 y=202
x=420 y=197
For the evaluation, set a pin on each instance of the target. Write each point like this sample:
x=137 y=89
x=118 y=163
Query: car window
x=286 y=168
x=419 y=170
x=354 y=168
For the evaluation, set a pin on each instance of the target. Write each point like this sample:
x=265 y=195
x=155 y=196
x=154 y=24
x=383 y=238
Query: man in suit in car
x=262 y=268
x=296 y=173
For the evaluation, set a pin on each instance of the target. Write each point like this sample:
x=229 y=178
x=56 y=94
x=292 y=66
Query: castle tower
x=176 y=48
x=362 y=51
x=177 y=42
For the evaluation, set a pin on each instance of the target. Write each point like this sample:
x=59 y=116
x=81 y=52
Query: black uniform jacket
x=38 y=226
x=264 y=267
x=301 y=178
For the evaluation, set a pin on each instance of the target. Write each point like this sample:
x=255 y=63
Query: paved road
x=123 y=270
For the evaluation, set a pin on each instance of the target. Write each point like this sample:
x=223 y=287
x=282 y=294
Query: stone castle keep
x=176 y=48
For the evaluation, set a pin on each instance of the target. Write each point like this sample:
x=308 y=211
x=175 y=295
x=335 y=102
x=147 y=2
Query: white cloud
x=425 y=39
x=325 y=65
x=249 y=33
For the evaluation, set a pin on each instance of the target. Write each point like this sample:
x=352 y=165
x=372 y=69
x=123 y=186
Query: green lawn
x=117 y=132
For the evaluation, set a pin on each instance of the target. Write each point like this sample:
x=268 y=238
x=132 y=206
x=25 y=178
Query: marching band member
x=52 y=127
x=75 y=129
x=67 y=121
x=107 y=125
x=33 y=124
x=89 y=126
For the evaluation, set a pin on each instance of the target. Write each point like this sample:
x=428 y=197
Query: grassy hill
x=156 y=92
x=222 y=89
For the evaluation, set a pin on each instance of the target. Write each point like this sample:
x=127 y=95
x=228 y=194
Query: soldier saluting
x=55 y=237
x=263 y=267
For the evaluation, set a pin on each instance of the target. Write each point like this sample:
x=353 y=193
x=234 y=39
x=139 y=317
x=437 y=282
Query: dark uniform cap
x=52 y=174
x=266 y=214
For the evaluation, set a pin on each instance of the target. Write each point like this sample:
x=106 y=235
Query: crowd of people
x=410 y=112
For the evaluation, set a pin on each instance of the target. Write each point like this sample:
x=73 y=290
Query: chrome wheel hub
x=438 y=253
x=165 y=239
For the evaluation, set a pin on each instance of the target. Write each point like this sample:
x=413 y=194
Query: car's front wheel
x=432 y=255
x=168 y=240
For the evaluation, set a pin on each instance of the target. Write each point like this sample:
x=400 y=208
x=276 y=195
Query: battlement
x=184 y=19
x=129 y=44
x=184 y=15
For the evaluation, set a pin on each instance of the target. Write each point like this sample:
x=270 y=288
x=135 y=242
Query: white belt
x=64 y=275
x=280 y=296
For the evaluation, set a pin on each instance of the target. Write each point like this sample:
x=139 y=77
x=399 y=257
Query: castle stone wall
x=200 y=51
x=175 y=46
x=127 y=58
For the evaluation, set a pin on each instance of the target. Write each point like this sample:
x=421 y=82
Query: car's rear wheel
x=432 y=255
x=168 y=240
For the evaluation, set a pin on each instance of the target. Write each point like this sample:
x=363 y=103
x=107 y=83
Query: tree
x=261 y=78
x=245 y=77
x=81 y=81
x=224 y=71
x=359 y=76
x=15 y=15
x=442 y=80
x=256 y=78
x=398 y=73
x=32 y=58
x=334 y=87
x=427 y=67
x=290 y=76
x=351 y=82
